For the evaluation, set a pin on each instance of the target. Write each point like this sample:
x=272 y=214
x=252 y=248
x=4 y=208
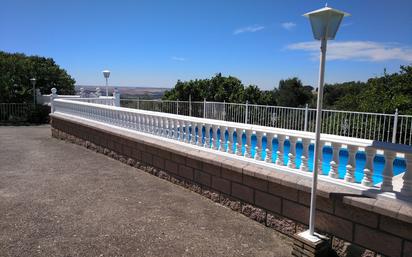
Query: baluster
x=193 y=133
x=140 y=122
x=239 y=134
x=176 y=129
x=170 y=128
x=367 y=179
x=207 y=136
x=231 y=139
x=351 y=166
x=292 y=152
x=258 y=147
x=199 y=135
x=187 y=131
x=145 y=128
x=214 y=138
x=269 y=147
x=387 y=173
x=166 y=127
x=304 y=164
x=152 y=124
x=184 y=130
x=279 y=152
x=181 y=132
x=136 y=121
x=334 y=164
x=248 y=144
x=158 y=125
x=130 y=120
x=407 y=176
x=163 y=122
x=222 y=139
x=320 y=157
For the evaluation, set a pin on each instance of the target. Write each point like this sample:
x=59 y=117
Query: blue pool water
x=399 y=165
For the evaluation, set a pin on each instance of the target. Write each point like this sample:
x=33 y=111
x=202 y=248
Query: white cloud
x=288 y=25
x=357 y=50
x=249 y=29
x=180 y=59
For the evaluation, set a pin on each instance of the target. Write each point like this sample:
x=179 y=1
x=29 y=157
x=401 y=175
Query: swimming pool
x=399 y=164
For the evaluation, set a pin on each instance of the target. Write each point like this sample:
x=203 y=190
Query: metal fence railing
x=14 y=112
x=375 y=126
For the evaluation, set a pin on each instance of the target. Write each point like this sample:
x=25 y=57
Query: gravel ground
x=59 y=199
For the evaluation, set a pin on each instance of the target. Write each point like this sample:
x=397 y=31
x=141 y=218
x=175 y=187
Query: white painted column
x=334 y=164
x=193 y=133
x=214 y=137
x=248 y=145
x=258 y=147
x=368 y=170
x=181 y=131
x=165 y=125
x=351 y=166
x=207 y=136
x=407 y=176
x=199 y=136
x=387 y=173
x=142 y=122
x=176 y=129
x=155 y=125
x=187 y=131
x=239 y=135
x=304 y=163
x=269 y=147
x=279 y=152
x=222 y=139
x=170 y=128
x=231 y=140
x=292 y=152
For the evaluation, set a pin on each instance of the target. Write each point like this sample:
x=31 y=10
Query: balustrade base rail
x=276 y=197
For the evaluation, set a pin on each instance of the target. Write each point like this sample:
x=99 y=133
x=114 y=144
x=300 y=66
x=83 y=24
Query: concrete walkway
x=59 y=199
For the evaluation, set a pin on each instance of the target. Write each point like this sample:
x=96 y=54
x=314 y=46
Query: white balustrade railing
x=375 y=126
x=227 y=138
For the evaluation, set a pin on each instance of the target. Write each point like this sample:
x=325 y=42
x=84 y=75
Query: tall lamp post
x=33 y=83
x=106 y=74
x=325 y=23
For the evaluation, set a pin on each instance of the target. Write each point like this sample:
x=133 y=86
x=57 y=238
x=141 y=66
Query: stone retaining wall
x=277 y=199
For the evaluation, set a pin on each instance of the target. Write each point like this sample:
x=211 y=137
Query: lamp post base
x=306 y=245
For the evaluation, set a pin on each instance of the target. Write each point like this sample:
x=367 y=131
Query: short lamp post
x=106 y=74
x=33 y=83
x=325 y=23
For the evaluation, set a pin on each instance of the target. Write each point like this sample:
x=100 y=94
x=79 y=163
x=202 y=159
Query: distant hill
x=128 y=92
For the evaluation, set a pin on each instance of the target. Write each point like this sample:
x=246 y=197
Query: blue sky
x=155 y=43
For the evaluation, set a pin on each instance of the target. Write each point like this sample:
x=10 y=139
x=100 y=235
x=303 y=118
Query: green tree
x=252 y=94
x=292 y=93
x=218 y=88
x=17 y=69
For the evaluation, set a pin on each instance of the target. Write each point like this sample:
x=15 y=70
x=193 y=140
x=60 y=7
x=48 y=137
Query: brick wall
x=276 y=199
